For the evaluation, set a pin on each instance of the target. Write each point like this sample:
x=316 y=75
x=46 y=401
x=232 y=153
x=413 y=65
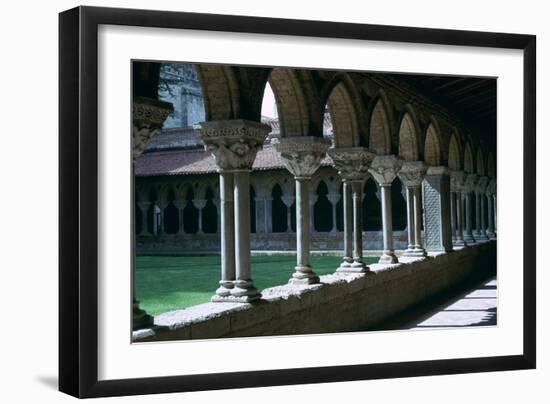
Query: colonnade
x=437 y=199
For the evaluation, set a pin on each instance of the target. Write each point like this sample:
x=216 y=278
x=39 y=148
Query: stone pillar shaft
x=453 y=215
x=302 y=224
x=490 y=225
x=243 y=286
x=418 y=220
x=459 y=219
x=478 y=214
x=348 y=227
x=388 y=254
x=227 y=233
x=410 y=219
x=357 y=189
x=437 y=210
x=469 y=237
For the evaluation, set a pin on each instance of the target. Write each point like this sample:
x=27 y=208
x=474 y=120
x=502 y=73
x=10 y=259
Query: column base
x=223 y=292
x=480 y=237
x=415 y=252
x=459 y=243
x=355 y=267
x=469 y=239
x=140 y=318
x=491 y=235
x=304 y=275
x=388 y=258
x=243 y=292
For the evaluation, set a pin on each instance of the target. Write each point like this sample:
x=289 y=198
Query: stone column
x=334 y=198
x=481 y=226
x=469 y=186
x=437 y=210
x=180 y=204
x=227 y=239
x=268 y=214
x=148 y=116
x=162 y=204
x=384 y=170
x=288 y=200
x=234 y=144
x=260 y=214
x=302 y=157
x=491 y=187
x=411 y=175
x=144 y=208
x=453 y=216
x=457 y=185
x=353 y=165
x=199 y=204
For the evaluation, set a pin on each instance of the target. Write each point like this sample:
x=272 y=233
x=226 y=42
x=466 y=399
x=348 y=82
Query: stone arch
x=480 y=163
x=291 y=102
x=171 y=213
x=210 y=211
x=468 y=159
x=408 y=139
x=454 y=161
x=344 y=117
x=491 y=166
x=279 y=211
x=432 y=146
x=322 y=210
x=380 y=129
x=220 y=90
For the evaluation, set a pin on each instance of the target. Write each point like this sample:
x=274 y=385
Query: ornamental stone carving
x=148 y=116
x=470 y=183
x=302 y=155
x=384 y=169
x=352 y=163
x=482 y=185
x=457 y=181
x=233 y=143
x=412 y=173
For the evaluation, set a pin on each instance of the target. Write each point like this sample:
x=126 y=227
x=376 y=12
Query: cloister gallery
x=356 y=163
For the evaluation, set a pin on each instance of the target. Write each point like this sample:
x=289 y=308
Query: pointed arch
x=380 y=129
x=220 y=90
x=344 y=117
x=432 y=146
x=491 y=166
x=454 y=161
x=291 y=102
x=480 y=163
x=468 y=159
x=408 y=140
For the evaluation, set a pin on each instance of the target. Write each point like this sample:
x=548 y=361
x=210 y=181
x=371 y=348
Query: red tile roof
x=199 y=161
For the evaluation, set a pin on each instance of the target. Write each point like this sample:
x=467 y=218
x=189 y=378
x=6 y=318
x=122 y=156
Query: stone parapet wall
x=210 y=243
x=342 y=302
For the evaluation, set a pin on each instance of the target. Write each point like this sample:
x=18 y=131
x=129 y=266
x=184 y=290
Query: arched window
x=322 y=209
x=190 y=214
x=151 y=215
x=171 y=215
x=252 y=210
x=209 y=213
x=372 y=210
x=340 y=210
x=278 y=210
x=398 y=205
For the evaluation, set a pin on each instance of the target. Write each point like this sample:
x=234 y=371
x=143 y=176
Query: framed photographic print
x=251 y=201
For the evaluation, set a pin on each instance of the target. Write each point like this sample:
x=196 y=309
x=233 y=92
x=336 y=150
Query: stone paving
x=475 y=307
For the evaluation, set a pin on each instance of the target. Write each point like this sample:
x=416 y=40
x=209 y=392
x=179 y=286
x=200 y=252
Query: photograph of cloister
x=284 y=201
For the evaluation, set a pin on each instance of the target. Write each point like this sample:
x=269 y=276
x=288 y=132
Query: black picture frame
x=78 y=203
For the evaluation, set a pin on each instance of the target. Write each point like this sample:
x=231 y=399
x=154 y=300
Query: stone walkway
x=477 y=306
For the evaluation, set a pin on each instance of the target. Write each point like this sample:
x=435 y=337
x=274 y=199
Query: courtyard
x=167 y=283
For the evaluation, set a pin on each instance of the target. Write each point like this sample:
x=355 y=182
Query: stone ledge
x=341 y=302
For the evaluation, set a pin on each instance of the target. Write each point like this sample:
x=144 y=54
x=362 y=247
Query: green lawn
x=176 y=282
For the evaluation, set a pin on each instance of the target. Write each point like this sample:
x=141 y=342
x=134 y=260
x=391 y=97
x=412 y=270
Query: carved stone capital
x=384 y=169
x=482 y=185
x=333 y=197
x=457 y=180
x=412 y=173
x=180 y=203
x=148 y=116
x=233 y=143
x=199 y=203
x=302 y=155
x=288 y=200
x=352 y=163
x=144 y=205
x=491 y=187
x=470 y=183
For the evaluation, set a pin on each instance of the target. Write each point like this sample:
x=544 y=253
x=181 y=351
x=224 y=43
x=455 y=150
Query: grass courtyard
x=165 y=283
